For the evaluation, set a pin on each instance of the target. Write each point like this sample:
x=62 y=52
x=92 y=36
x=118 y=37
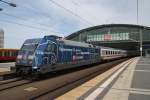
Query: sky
x=37 y=18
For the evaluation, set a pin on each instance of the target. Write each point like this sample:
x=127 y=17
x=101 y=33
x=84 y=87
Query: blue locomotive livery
x=52 y=53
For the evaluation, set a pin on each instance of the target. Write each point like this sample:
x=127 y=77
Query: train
x=52 y=53
x=8 y=55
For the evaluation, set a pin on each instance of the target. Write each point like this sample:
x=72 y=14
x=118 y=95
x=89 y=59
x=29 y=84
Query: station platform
x=126 y=81
x=4 y=67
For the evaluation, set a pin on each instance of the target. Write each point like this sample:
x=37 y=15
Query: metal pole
x=141 y=42
x=137 y=12
x=141 y=32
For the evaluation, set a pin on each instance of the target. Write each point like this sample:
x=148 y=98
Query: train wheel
x=35 y=77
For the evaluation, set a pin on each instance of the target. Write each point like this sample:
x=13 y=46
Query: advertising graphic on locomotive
x=52 y=53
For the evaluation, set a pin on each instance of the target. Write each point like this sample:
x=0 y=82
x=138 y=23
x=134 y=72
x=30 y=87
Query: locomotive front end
x=25 y=56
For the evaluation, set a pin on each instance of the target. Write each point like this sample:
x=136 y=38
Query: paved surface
x=100 y=82
x=141 y=81
x=133 y=83
x=6 y=66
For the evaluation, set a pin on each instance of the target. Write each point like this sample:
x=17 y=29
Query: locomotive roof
x=75 y=43
x=32 y=41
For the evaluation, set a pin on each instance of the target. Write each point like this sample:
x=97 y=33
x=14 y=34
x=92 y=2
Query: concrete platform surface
x=132 y=83
x=6 y=66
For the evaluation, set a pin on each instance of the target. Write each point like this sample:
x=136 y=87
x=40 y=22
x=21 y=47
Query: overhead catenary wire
x=29 y=26
x=24 y=19
x=39 y=13
x=66 y=9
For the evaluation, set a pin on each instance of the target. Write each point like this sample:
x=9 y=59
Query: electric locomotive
x=52 y=53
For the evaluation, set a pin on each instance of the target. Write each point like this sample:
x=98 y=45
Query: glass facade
x=123 y=36
x=112 y=34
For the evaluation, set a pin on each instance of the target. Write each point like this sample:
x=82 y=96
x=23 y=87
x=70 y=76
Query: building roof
x=105 y=26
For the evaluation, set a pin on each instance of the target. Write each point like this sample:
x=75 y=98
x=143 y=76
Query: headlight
x=30 y=57
x=35 y=67
x=19 y=56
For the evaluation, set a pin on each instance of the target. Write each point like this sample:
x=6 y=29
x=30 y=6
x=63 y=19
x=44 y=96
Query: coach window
x=104 y=52
x=9 y=53
x=5 y=53
x=0 y=53
x=14 y=53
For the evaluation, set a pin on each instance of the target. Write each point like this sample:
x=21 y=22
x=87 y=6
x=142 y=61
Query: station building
x=1 y=38
x=122 y=36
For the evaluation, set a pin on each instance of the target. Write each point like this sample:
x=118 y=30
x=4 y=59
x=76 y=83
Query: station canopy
x=122 y=36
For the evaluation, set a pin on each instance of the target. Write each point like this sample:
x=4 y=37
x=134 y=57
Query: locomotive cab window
x=29 y=47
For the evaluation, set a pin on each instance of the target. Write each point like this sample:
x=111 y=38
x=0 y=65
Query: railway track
x=53 y=93
x=13 y=83
x=9 y=80
x=53 y=86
